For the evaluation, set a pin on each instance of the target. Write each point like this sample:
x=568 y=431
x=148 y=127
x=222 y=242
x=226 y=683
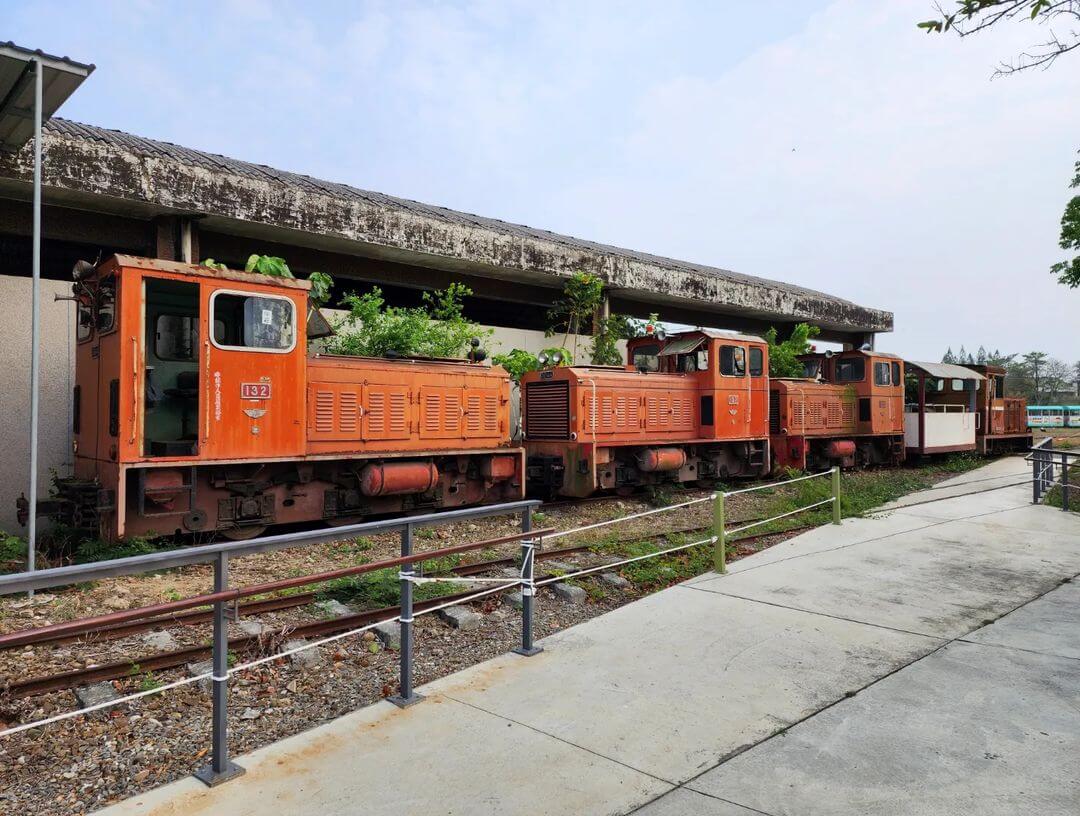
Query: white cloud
x=828 y=144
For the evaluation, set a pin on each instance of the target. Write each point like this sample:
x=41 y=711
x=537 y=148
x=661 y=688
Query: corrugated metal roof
x=60 y=79
x=65 y=129
x=946 y=371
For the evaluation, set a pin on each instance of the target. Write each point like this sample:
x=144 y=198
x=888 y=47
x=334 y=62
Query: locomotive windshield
x=850 y=369
x=647 y=358
x=732 y=361
x=811 y=369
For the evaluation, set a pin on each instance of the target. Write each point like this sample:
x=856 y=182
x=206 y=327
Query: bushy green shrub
x=783 y=355
x=438 y=328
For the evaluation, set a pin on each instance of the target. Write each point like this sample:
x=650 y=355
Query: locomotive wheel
x=243 y=533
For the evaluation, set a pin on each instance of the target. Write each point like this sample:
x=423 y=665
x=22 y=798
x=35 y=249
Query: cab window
x=757 y=361
x=647 y=358
x=732 y=361
x=695 y=361
x=957 y=385
x=881 y=374
x=811 y=369
x=106 y=306
x=176 y=337
x=253 y=322
x=850 y=369
x=896 y=373
x=85 y=321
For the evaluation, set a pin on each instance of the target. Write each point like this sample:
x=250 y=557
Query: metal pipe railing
x=207 y=553
x=220 y=767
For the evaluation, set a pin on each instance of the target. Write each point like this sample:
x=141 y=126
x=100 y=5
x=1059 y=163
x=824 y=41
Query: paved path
x=926 y=661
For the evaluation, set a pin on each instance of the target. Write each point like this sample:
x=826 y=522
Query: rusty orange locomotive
x=198 y=409
x=687 y=407
x=848 y=411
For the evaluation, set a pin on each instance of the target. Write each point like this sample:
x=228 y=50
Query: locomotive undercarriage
x=571 y=470
x=820 y=453
x=241 y=500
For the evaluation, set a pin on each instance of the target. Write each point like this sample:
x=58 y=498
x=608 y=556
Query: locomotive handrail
x=207 y=553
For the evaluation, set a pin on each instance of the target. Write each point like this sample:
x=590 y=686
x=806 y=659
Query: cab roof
x=197 y=270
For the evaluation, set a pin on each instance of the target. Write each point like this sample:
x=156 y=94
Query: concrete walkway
x=926 y=661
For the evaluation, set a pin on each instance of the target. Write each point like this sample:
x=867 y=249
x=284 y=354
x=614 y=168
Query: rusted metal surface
x=121 y=630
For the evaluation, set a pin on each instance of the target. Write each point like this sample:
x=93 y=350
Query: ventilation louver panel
x=547 y=410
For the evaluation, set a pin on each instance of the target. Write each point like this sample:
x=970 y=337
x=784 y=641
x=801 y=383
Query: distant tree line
x=1035 y=375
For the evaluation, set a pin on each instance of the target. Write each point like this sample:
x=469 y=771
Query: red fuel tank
x=841 y=448
x=661 y=459
x=398 y=477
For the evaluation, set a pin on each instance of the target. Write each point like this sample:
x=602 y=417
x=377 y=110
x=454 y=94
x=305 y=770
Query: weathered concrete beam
x=131 y=172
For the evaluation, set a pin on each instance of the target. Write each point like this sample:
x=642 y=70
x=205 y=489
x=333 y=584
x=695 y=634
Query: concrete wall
x=57 y=379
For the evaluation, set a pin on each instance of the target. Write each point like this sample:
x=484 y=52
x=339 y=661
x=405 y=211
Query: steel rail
x=19 y=638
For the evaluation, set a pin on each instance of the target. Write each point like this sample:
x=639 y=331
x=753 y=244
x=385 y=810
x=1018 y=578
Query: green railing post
x=836 y=495
x=720 y=547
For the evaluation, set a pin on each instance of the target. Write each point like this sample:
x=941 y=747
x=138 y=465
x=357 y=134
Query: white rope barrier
x=710 y=540
x=453 y=579
x=67 y=715
x=631 y=517
x=782 y=515
x=777 y=484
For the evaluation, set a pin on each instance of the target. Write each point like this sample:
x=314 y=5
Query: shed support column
x=35 y=325
x=922 y=412
x=177 y=238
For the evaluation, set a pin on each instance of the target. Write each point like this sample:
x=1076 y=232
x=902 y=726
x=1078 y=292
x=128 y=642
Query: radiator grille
x=774 y=412
x=547 y=410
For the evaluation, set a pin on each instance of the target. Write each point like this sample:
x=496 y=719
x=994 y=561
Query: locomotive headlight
x=556 y=357
x=542 y=358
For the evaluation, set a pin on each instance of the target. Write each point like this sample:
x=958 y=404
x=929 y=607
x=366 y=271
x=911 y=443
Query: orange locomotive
x=198 y=409
x=1002 y=422
x=686 y=408
x=848 y=411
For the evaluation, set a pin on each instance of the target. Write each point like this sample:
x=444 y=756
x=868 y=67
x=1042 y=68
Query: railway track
x=180 y=657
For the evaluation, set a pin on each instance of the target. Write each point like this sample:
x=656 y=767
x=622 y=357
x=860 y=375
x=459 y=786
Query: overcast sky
x=829 y=144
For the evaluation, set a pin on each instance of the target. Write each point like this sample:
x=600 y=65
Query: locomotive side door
x=252 y=372
x=733 y=394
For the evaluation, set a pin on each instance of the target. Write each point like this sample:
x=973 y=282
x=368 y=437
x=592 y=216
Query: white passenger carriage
x=941 y=410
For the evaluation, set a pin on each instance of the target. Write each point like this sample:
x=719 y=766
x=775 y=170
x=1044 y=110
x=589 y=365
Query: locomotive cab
x=846 y=411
